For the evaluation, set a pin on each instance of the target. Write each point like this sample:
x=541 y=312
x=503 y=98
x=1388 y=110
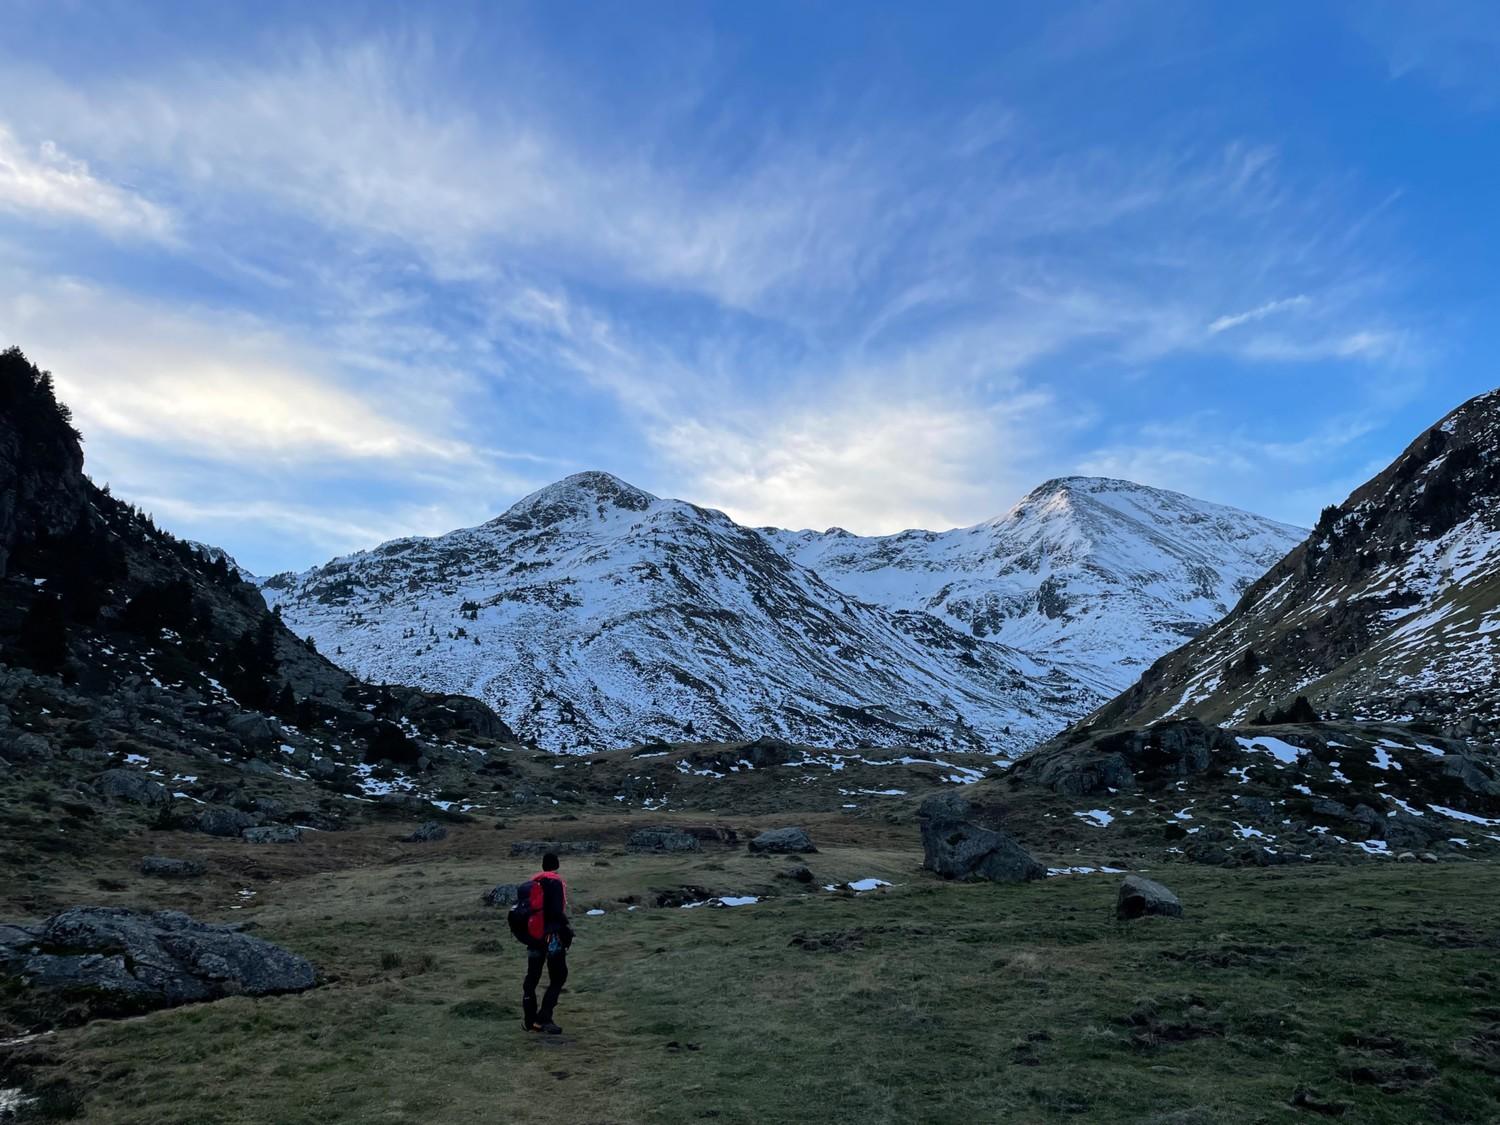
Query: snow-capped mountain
x=1390 y=610
x=1099 y=576
x=593 y=614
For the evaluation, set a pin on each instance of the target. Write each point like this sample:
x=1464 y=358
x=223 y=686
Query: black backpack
x=519 y=914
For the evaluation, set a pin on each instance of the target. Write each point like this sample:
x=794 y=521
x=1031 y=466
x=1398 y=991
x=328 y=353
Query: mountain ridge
x=591 y=612
x=1390 y=610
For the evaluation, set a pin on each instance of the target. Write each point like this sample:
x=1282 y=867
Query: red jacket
x=549 y=904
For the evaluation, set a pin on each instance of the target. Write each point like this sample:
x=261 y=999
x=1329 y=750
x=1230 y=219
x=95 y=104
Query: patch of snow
x=1100 y=818
x=867 y=884
x=1383 y=759
x=137 y=760
x=1375 y=847
x=594 y=913
x=1281 y=751
x=1468 y=818
x=1403 y=806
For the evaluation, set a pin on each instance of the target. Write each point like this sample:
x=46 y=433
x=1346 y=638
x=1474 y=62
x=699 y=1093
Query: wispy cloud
x=451 y=278
x=46 y=183
x=1224 y=323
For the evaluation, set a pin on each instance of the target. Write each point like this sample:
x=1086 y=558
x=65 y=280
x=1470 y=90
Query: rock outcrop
x=662 y=840
x=783 y=841
x=121 y=960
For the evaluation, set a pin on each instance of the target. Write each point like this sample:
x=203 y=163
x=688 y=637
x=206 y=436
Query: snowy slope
x=1102 y=576
x=593 y=614
x=1390 y=610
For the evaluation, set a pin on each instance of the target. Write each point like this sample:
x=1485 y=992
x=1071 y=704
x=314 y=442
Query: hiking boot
x=549 y=1029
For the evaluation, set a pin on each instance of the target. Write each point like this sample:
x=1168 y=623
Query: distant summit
x=1092 y=574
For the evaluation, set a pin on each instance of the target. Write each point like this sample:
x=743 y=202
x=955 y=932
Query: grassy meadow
x=1374 y=990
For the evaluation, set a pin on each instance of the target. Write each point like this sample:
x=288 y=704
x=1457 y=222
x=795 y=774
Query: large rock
x=965 y=850
x=1139 y=897
x=427 y=833
x=223 y=822
x=254 y=729
x=166 y=868
x=1147 y=757
x=144 y=961
x=957 y=848
x=273 y=834
x=1473 y=774
x=132 y=785
x=662 y=839
x=783 y=841
x=766 y=751
x=22 y=746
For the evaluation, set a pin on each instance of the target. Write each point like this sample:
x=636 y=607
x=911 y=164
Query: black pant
x=557 y=976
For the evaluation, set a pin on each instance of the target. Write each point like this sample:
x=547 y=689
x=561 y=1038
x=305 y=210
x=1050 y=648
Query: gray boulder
x=322 y=769
x=783 y=841
x=662 y=840
x=1473 y=774
x=502 y=894
x=273 y=834
x=428 y=833
x=132 y=785
x=961 y=849
x=155 y=960
x=15 y=940
x=166 y=868
x=22 y=746
x=225 y=822
x=253 y=729
x=1405 y=831
x=407 y=803
x=766 y=751
x=956 y=848
x=1139 y=897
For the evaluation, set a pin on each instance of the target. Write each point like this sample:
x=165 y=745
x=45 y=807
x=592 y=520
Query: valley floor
x=1374 y=987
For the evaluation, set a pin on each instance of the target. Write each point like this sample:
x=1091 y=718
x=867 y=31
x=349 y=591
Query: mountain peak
x=579 y=494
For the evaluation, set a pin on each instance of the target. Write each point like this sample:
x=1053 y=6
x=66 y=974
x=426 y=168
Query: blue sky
x=314 y=276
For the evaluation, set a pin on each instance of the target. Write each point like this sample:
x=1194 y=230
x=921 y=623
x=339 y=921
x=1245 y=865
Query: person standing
x=549 y=938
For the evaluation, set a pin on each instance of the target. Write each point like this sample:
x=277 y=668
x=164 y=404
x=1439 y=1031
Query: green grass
x=929 y=1002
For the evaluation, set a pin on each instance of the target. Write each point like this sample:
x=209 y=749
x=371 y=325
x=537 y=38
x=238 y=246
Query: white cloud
x=868 y=461
x=217 y=386
x=50 y=183
x=1268 y=309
